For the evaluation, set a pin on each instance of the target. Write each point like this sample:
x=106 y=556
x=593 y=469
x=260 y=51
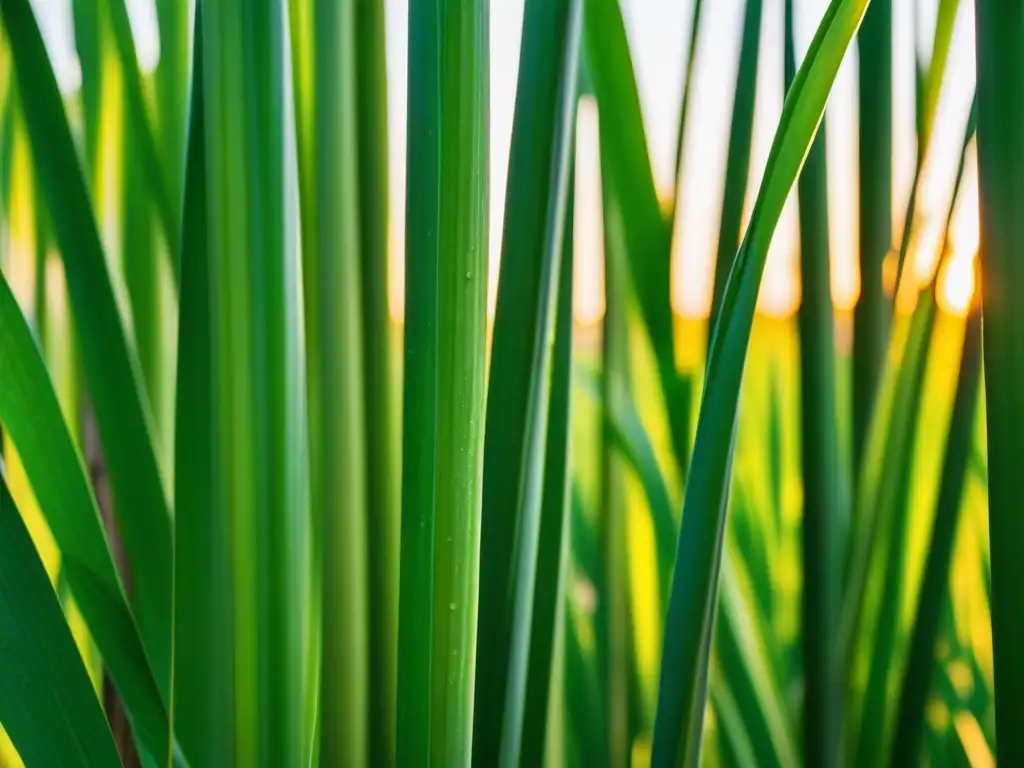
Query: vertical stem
x=1000 y=34
x=542 y=695
x=420 y=387
x=257 y=367
x=737 y=169
x=446 y=323
x=334 y=357
x=613 y=614
x=871 y=315
x=917 y=678
x=382 y=499
x=822 y=476
x=203 y=712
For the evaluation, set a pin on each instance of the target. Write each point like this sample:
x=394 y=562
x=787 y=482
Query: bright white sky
x=657 y=32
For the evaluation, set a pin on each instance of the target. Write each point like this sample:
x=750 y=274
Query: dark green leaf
x=47 y=704
x=111 y=370
x=537 y=214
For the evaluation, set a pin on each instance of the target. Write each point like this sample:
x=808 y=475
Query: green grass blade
x=746 y=667
x=613 y=626
x=627 y=435
x=917 y=677
x=583 y=696
x=733 y=739
x=111 y=370
x=825 y=511
x=945 y=21
x=32 y=417
x=47 y=704
x=461 y=340
x=204 y=674
x=420 y=388
x=871 y=315
x=691 y=609
x=446 y=320
x=626 y=173
x=338 y=427
x=142 y=277
x=382 y=472
x=889 y=548
x=172 y=80
x=885 y=504
x=737 y=165
x=548 y=624
x=890 y=439
x=258 y=369
x=143 y=135
x=929 y=90
x=536 y=209
x=684 y=106
x=89 y=35
x=1000 y=31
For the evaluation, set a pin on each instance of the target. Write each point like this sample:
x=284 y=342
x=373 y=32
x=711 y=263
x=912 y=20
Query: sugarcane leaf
x=737 y=164
x=548 y=625
x=917 y=677
x=203 y=676
x=1000 y=30
x=682 y=689
x=32 y=418
x=629 y=182
x=143 y=133
x=537 y=215
x=445 y=377
x=111 y=370
x=47 y=703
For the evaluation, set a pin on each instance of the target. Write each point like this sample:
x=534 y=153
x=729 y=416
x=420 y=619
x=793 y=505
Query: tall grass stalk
x=824 y=509
x=737 y=166
x=257 y=368
x=518 y=406
x=932 y=599
x=871 y=315
x=331 y=262
x=690 y=621
x=613 y=615
x=445 y=358
x=383 y=504
x=204 y=696
x=1000 y=31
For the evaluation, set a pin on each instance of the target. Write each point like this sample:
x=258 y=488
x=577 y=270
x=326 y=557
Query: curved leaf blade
x=111 y=370
x=31 y=414
x=682 y=690
x=47 y=703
